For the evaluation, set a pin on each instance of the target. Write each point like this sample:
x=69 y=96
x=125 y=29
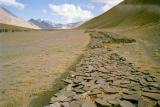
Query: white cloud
x=44 y=11
x=108 y=4
x=13 y=3
x=70 y=12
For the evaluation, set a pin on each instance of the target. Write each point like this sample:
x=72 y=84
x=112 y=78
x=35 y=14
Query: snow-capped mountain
x=47 y=24
x=6 y=17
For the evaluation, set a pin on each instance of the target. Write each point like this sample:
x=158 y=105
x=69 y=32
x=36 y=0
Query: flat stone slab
x=65 y=104
x=114 y=102
x=59 y=98
x=155 y=85
x=129 y=92
x=131 y=98
x=153 y=96
x=158 y=104
x=76 y=103
x=112 y=97
x=55 y=105
x=109 y=90
x=142 y=103
x=126 y=104
x=101 y=81
x=102 y=103
x=151 y=90
x=88 y=104
x=149 y=79
x=68 y=81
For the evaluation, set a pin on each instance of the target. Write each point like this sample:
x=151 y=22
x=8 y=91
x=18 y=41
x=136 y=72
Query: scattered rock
x=155 y=85
x=69 y=87
x=90 y=68
x=126 y=104
x=131 y=98
x=153 y=96
x=68 y=81
x=151 y=90
x=158 y=104
x=149 y=79
x=102 y=103
x=142 y=82
x=112 y=97
x=88 y=104
x=65 y=104
x=76 y=97
x=95 y=92
x=142 y=103
x=114 y=102
x=77 y=103
x=109 y=90
x=61 y=98
x=125 y=82
x=101 y=81
x=129 y=92
x=78 y=90
x=55 y=105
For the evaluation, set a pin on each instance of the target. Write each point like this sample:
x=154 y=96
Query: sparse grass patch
x=35 y=64
x=60 y=51
x=26 y=82
x=17 y=100
x=44 y=98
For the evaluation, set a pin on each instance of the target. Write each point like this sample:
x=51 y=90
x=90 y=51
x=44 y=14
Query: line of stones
x=105 y=79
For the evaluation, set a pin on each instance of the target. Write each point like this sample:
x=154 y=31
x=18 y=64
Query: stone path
x=103 y=78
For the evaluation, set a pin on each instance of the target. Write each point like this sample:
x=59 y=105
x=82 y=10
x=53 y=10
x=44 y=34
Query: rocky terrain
x=102 y=78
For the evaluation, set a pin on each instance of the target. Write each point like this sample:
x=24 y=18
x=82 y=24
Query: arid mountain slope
x=138 y=19
x=7 y=17
x=130 y=13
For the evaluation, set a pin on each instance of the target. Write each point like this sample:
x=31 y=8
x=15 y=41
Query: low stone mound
x=103 y=78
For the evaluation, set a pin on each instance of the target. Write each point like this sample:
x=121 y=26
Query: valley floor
x=103 y=78
x=30 y=62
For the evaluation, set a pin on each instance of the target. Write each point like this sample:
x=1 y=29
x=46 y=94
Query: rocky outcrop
x=103 y=78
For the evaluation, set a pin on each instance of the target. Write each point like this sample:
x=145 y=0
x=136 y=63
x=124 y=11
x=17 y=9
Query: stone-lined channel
x=103 y=78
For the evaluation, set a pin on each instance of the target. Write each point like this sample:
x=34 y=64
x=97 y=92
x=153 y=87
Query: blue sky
x=59 y=11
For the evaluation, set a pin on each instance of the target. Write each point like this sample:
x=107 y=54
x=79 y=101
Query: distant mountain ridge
x=6 y=17
x=47 y=24
x=41 y=24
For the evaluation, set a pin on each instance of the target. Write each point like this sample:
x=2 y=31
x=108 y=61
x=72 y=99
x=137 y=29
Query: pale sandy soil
x=31 y=61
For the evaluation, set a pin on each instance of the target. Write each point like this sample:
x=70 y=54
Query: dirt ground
x=31 y=61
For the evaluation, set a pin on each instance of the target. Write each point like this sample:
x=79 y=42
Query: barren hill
x=6 y=17
x=129 y=13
